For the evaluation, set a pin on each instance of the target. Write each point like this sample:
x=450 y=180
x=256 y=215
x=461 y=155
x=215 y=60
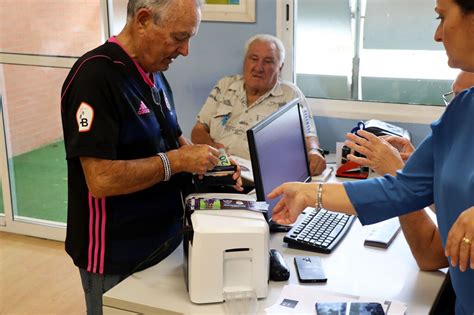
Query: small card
x=289 y=303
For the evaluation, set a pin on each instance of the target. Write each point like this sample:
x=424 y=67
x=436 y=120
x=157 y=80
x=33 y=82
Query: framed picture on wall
x=229 y=11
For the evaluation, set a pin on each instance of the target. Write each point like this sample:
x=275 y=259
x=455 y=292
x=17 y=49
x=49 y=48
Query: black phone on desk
x=310 y=269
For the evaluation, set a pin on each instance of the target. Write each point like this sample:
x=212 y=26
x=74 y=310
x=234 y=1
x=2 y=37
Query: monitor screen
x=278 y=152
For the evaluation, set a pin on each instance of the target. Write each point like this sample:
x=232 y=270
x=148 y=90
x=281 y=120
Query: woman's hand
x=460 y=238
x=403 y=145
x=380 y=155
x=295 y=198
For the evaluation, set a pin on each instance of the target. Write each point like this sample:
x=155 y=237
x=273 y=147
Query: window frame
x=345 y=109
x=17 y=223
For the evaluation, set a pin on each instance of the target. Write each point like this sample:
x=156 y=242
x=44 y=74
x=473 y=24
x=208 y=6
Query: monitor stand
x=275 y=227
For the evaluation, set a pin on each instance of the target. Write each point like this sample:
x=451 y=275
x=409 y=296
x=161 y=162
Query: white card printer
x=227 y=253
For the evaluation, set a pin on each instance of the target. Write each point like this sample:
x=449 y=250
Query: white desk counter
x=352 y=268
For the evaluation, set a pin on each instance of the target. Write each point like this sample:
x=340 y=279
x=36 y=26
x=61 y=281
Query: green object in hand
x=223 y=159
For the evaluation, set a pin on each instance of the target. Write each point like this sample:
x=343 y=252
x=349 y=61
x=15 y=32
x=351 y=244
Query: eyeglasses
x=155 y=94
x=447 y=97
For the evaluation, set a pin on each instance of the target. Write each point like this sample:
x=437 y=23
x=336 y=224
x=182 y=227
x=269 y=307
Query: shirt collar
x=144 y=75
x=277 y=90
x=238 y=86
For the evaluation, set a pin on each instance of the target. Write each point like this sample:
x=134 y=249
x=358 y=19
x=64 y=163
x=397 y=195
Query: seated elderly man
x=238 y=102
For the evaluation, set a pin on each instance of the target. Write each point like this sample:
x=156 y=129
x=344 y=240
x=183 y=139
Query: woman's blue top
x=441 y=170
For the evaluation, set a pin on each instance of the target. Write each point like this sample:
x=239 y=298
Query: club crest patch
x=84 y=117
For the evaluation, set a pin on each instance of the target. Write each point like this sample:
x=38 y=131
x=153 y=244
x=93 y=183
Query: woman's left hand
x=380 y=155
x=460 y=238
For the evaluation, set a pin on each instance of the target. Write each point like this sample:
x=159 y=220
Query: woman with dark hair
x=467 y=6
x=440 y=171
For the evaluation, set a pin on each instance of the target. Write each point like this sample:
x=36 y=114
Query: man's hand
x=218 y=145
x=236 y=176
x=316 y=160
x=317 y=163
x=198 y=158
x=184 y=141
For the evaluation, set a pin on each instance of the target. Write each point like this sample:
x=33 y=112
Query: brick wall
x=32 y=106
x=32 y=94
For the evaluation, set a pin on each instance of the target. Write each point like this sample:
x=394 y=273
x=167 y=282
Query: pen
x=331 y=169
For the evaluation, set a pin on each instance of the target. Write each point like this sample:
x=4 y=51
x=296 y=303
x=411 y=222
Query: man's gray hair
x=268 y=39
x=159 y=7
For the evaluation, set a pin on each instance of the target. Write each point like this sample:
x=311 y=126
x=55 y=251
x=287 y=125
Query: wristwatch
x=321 y=151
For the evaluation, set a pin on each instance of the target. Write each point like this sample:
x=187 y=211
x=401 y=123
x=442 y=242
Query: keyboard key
x=336 y=231
x=319 y=230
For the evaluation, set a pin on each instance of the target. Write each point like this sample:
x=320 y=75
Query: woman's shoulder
x=463 y=103
x=460 y=108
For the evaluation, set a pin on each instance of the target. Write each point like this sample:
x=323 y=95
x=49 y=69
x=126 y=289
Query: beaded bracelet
x=319 y=197
x=166 y=166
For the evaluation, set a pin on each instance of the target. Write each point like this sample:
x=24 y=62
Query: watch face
x=321 y=151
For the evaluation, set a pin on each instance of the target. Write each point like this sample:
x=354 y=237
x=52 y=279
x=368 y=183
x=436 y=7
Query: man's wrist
x=319 y=150
x=166 y=166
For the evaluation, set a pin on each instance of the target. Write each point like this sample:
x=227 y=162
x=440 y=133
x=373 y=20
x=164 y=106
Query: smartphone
x=349 y=308
x=331 y=308
x=310 y=269
x=359 y=308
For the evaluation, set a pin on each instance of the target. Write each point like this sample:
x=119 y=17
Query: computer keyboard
x=319 y=230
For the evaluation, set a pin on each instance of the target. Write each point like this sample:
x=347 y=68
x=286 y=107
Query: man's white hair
x=159 y=7
x=268 y=39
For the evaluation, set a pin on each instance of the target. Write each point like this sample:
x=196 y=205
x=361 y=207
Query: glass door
x=2 y=164
x=40 y=42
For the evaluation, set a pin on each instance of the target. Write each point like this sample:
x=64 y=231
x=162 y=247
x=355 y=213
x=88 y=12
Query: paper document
x=295 y=299
x=245 y=167
x=324 y=176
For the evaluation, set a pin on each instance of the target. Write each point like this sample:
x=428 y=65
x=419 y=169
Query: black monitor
x=278 y=152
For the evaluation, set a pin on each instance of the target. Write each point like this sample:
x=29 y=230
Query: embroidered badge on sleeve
x=85 y=117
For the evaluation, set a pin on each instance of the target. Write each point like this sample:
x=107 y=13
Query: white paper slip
x=245 y=167
x=383 y=233
x=324 y=176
